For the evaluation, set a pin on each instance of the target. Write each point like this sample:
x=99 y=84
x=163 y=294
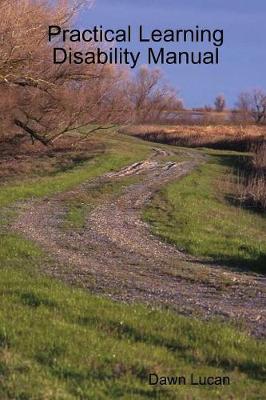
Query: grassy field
x=198 y=215
x=61 y=343
x=237 y=137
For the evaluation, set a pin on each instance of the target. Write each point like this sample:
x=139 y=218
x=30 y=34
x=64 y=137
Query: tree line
x=251 y=105
x=44 y=101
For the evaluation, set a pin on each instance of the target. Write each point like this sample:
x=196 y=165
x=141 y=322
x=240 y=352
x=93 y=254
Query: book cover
x=132 y=199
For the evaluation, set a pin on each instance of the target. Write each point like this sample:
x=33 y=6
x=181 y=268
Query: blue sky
x=243 y=55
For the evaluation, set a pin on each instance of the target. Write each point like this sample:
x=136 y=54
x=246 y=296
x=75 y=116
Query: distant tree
x=150 y=97
x=207 y=108
x=220 y=103
x=253 y=105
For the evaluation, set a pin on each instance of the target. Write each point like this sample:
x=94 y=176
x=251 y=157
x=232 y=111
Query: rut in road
x=116 y=254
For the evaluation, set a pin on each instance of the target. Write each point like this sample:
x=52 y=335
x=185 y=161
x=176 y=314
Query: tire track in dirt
x=116 y=254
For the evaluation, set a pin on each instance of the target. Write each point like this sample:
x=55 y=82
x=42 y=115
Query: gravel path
x=116 y=254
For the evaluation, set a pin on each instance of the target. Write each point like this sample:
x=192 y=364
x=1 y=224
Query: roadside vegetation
x=251 y=183
x=199 y=215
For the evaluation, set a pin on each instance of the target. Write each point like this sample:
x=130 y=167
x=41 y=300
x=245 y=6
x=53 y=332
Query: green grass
x=61 y=343
x=196 y=215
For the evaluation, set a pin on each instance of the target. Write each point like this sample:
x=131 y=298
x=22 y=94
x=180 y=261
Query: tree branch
x=33 y=135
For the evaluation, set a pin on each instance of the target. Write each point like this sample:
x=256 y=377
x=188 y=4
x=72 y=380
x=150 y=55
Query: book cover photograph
x=132 y=200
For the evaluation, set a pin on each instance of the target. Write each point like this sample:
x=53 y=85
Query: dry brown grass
x=259 y=159
x=251 y=187
x=251 y=192
x=228 y=137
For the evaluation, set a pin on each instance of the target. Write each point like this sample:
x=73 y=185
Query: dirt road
x=116 y=254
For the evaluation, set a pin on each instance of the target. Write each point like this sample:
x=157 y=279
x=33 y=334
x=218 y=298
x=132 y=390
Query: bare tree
x=220 y=103
x=45 y=100
x=253 y=104
x=37 y=97
x=150 y=97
